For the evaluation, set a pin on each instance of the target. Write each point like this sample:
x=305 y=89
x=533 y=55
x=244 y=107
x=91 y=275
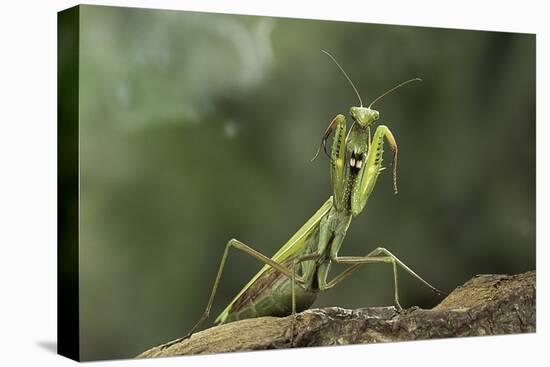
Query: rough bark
x=485 y=305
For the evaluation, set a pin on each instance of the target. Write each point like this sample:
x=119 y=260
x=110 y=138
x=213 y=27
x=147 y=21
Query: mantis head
x=364 y=116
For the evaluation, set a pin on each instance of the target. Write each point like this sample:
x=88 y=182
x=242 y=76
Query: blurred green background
x=197 y=128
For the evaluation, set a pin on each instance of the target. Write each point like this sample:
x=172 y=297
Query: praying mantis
x=291 y=279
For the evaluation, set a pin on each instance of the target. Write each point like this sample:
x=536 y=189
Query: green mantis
x=290 y=280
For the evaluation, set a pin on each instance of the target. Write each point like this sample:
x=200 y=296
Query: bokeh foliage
x=197 y=128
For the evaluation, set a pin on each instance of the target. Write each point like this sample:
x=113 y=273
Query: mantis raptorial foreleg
x=373 y=165
x=337 y=156
x=393 y=146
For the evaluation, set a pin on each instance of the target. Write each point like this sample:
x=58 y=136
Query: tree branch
x=485 y=305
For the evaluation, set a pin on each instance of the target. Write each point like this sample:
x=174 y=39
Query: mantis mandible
x=290 y=280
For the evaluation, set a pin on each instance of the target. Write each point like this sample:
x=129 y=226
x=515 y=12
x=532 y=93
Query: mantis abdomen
x=270 y=295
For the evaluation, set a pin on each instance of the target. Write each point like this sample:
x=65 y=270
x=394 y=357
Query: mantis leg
x=395 y=260
x=372 y=168
x=236 y=244
x=296 y=261
x=337 y=156
x=358 y=261
x=372 y=258
x=293 y=291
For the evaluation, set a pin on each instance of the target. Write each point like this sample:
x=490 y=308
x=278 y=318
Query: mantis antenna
x=346 y=75
x=394 y=88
